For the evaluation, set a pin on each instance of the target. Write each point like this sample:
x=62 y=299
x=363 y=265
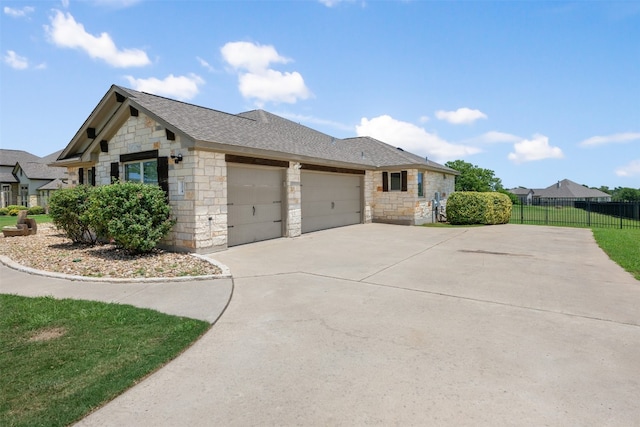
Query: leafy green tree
x=474 y=178
x=626 y=194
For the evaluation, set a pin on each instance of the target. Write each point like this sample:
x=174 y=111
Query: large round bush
x=470 y=207
x=135 y=215
x=67 y=208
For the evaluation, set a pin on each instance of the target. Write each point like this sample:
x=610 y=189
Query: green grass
x=566 y=217
x=60 y=359
x=622 y=246
x=11 y=220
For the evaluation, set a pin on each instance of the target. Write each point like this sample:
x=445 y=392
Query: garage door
x=330 y=200
x=254 y=204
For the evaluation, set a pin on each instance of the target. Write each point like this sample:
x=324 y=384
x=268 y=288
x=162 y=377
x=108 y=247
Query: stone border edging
x=225 y=273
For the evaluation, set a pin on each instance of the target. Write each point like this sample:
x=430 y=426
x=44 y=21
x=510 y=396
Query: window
x=145 y=171
x=394 y=181
x=420 y=184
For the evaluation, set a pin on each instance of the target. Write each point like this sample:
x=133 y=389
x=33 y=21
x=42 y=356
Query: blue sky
x=535 y=91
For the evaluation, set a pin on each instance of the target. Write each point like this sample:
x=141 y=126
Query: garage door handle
x=254 y=211
x=333 y=205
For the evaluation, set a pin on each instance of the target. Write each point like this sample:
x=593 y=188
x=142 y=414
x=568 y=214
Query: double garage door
x=256 y=203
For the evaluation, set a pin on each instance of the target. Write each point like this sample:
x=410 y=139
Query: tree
x=626 y=194
x=474 y=178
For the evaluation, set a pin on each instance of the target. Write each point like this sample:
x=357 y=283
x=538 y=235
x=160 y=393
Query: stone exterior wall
x=188 y=191
x=293 y=217
x=406 y=207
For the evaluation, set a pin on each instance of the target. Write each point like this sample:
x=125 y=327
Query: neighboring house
x=234 y=179
x=562 y=190
x=26 y=179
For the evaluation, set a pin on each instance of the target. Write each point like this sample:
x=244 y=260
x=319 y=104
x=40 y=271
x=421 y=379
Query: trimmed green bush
x=4 y=211
x=13 y=210
x=35 y=210
x=135 y=215
x=67 y=208
x=470 y=207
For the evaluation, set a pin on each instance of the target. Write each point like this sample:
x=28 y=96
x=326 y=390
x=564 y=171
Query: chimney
x=559 y=184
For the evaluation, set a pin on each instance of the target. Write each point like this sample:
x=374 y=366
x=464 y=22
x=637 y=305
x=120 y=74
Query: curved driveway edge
x=194 y=297
x=390 y=325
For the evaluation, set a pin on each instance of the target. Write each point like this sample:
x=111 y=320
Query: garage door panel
x=254 y=204
x=330 y=200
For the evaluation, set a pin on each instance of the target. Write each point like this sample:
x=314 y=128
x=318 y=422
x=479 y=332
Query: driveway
x=392 y=325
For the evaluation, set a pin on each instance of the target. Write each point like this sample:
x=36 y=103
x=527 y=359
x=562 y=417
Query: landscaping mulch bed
x=50 y=250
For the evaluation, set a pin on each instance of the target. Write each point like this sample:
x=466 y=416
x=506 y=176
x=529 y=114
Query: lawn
x=11 y=220
x=567 y=216
x=622 y=246
x=61 y=359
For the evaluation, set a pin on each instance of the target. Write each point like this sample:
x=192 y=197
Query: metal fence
x=578 y=213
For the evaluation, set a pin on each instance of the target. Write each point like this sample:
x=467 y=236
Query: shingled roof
x=563 y=189
x=267 y=132
x=11 y=157
x=39 y=170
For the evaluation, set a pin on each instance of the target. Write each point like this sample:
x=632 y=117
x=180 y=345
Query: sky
x=536 y=91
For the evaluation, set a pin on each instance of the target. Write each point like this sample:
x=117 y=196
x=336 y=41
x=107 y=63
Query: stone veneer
x=406 y=207
x=198 y=189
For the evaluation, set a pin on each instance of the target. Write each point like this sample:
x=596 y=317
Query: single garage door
x=254 y=204
x=330 y=200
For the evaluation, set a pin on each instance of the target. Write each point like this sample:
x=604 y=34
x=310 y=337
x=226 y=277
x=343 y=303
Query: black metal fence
x=578 y=213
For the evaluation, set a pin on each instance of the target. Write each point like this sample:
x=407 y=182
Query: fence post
x=620 y=212
x=588 y=213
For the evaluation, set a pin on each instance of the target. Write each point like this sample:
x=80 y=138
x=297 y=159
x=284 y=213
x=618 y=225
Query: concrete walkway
x=197 y=299
x=391 y=325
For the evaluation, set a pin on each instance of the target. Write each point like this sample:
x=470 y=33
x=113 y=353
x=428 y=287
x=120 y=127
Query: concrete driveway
x=391 y=325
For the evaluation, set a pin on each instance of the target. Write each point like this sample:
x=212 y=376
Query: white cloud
x=66 y=32
x=65 y=4
x=412 y=138
x=424 y=119
x=273 y=86
x=252 y=57
x=537 y=148
x=16 y=61
x=179 y=87
x=315 y=120
x=460 y=116
x=610 y=139
x=205 y=64
x=257 y=80
x=631 y=169
x=18 y=13
x=332 y=3
x=493 y=137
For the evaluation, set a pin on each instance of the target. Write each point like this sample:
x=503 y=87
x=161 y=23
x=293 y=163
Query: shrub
x=468 y=207
x=4 y=211
x=14 y=209
x=35 y=210
x=135 y=215
x=67 y=208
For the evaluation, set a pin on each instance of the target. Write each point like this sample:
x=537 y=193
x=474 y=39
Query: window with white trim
x=145 y=171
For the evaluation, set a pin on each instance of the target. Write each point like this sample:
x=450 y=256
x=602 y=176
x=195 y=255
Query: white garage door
x=330 y=200
x=254 y=204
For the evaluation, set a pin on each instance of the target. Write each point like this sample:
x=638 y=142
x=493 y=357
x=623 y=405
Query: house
x=562 y=190
x=239 y=178
x=26 y=179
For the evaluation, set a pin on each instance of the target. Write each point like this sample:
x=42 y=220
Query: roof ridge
x=133 y=92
